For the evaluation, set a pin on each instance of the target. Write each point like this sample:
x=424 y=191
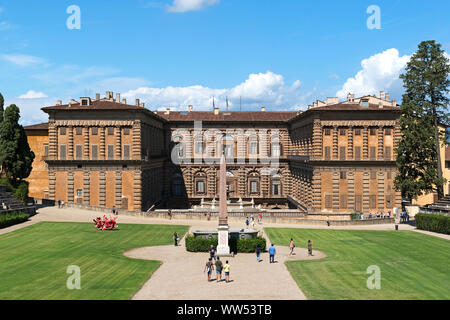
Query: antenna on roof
x=214 y=105
x=240 y=103
x=227 y=103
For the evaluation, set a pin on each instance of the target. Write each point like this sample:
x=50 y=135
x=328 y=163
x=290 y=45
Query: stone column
x=86 y=188
x=102 y=189
x=51 y=183
x=136 y=149
x=336 y=191
x=380 y=200
x=102 y=143
x=137 y=195
x=366 y=189
x=351 y=189
x=70 y=146
x=365 y=143
x=70 y=195
x=317 y=191
x=118 y=189
x=317 y=140
x=86 y=145
x=350 y=143
x=52 y=140
x=118 y=147
x=335 y=143
x=380 y=154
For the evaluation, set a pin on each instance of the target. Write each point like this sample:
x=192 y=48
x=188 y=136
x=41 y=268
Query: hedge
x=241 y=245
x=433 y=222
x=20 y=192
x=9 y=219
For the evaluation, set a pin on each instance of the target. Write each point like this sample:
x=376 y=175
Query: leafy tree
x=16 y=156
x=424 y=107
x=2 y=101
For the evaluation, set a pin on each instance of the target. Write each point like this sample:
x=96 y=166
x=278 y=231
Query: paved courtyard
x=181 y=274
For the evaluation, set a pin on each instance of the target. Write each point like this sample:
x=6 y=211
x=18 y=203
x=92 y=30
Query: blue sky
x=170 y=53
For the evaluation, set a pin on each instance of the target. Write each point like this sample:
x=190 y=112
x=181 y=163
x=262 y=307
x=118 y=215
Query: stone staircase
x=12 y=204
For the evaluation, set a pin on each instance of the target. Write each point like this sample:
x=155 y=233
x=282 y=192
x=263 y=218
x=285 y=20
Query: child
x=291 y=246
x=226 y=268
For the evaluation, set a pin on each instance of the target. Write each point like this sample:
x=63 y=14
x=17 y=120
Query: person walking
x=310 y=244
x=247 y=222
x=291 y=246
x=272 y=252
x=209 y=267
x=219 y=268
x=226 y=268
x=169 y=213
x=59 y=204
x=260 y=218
x=212 y=253
x=258 y=253
x=175 y=238
x=328 y=221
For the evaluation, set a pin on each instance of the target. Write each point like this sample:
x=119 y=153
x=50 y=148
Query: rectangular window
x=94 y=152
x=78 y=152
x=328 y=201
x=199 y=147
x=357 y=153
x=126 y=152
x=253 y=186
x=389 y=174
x=327 y=153
x=110 y=131
x=343 y=201
x=357 y=131
x=373 y=174
x=388 y=131
x=126 y=131
x=253 y=148
x=62 y=131
x=45 y=150
x=387 y=153
x=343 y=175
x=327 y=131
x=94 y=131
x=342 y=153
x=365 y=103
x=110 y=152
x=276 y=187
x=62 y=152
x=79 y=192
x=275 y=149
x=200 y=186
x=342 y=131
x=373 y=131
x=372 y=201
x=78 y=131
x=373 y=153
x=389 y=201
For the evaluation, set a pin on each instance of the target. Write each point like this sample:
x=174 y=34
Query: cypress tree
x=16 y=156
x=2 y=101
x=424 y=107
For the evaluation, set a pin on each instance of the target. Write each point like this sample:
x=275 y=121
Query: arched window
x=253 y=183
x=228 y=146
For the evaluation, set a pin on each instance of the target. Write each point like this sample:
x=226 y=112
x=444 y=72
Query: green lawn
x=34 y=260
x=413 y=265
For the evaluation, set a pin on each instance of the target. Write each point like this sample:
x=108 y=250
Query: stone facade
x=333 y=157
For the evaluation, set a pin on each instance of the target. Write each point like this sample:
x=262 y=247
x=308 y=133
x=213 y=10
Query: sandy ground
x=181 y=276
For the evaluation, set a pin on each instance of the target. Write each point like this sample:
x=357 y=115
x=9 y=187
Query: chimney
x=190 y=108
x=142 y=105
x=124 y=101
x=167 y=111
x=350 y=97
x=137 y=102
x=59 y=102
x=330 y=101
x=263 y=109
x=216 y=111
x=118 y=97
x=97 y=96
x=394 y=102
x=387 y=96
x=382 y=95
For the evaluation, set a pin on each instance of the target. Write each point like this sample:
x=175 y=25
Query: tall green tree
x=424 y=108
x=2 y=101
x=16 y=157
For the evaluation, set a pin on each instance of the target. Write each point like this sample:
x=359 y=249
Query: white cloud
x=30 y=109
x=379 y=72
x=190 y=5
x=262 y=89
x=23 y=60
x=31 y=94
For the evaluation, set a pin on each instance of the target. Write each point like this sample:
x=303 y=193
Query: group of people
x=4 y=206
x=404 y=217
x=217 y=265
x=252 y=220
x=379 y=215
x=60 y=204
x=106 y=223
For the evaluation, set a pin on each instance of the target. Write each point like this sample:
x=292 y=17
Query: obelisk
x=222 y=247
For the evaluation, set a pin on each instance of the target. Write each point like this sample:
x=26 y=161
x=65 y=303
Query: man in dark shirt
x=209 y=267
x=219 y=268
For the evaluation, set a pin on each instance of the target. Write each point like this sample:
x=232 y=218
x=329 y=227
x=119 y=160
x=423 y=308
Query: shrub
x=9 y=219
x=433 y=222
x=21 y=192
x=244 y=246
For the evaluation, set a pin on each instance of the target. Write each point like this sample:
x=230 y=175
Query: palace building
x=334 y=157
